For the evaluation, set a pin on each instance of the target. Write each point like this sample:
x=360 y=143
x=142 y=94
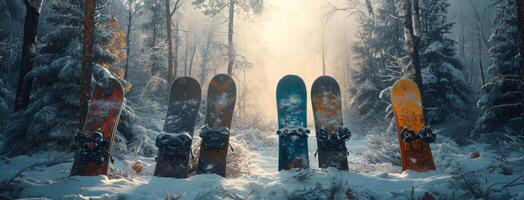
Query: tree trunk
x=87 y=58
x=23 y=89
x=153 y=47
x=193 y=51
x=186 y=54
x=169 y=43
x=411 y=43
x=128 y=38
x=231 y=52
x=416 y=20
x=481 y=67
x=177 y=42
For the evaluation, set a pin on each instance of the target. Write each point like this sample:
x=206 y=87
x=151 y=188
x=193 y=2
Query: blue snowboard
x=292 y=123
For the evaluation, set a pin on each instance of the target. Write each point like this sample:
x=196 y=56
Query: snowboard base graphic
x=93 y=142
x=174 y=147
x=292 y=123
x=330 y=131
x=407 y=108
x=215 y=134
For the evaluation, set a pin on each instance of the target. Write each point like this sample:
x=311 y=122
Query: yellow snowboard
x=407 y=107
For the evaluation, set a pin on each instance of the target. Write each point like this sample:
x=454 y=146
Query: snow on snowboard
x=174 y=147
x=221 y=98
x=94 y=141
x=413 y=136
x=330 y=131
x=292 y=123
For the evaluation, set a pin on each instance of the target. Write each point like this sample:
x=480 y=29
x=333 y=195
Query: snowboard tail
x=174 y=147
x=94 y=141
x=407 y=108
x=221 y=98
x=330 y=131
x=292 y=123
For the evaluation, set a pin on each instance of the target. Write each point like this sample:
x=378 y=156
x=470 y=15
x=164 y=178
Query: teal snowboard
x=292 y=123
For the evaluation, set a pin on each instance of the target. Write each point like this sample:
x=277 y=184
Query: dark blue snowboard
x=292 y=123
x=174 y=146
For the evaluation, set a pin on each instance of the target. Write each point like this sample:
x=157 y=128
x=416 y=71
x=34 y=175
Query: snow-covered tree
x=447 y=96
x=383 y=60
x=156 y=47
x=378 y=51
x=501 y=101
x=54 y=103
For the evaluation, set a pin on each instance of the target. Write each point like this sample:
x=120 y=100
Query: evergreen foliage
x=54 y=103
x=383 y=60
x=501 y=101
x=447 y=96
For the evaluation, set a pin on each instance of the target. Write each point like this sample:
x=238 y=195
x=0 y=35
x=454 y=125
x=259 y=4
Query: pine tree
x=54 y=103
x=378 y=53
x=501 y=101
x=383 y=60
x=447 y=96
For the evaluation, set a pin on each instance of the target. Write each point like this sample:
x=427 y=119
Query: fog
x=287 y=39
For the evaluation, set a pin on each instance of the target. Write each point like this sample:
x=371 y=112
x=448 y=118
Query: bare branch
x=178 y=4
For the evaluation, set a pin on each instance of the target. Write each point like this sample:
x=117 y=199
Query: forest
x=230 y=64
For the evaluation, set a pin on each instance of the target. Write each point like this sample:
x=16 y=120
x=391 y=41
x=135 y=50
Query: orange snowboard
x=105 y=106
x=407 y=107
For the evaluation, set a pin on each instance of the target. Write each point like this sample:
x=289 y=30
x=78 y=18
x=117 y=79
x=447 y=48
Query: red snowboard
x=95 y=139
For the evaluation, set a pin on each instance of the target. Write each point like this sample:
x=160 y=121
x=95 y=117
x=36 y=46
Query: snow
x=263 y=181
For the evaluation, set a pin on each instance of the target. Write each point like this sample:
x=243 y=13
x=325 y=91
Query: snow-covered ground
x=458 y=176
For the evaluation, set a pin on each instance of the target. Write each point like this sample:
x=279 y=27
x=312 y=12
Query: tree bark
x=87 y=59
x=23 y=90
x=128 y=37
x=411 y=43
x=416 y=20
x=231 y=49
x=177 y=42
x=481 y=67
x=186 y=54
x=193 y=51
x=153 y=47
x=169 y=43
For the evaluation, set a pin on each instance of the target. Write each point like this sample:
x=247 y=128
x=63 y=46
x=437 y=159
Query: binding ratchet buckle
x=178 y=145
x=426 y=135
x=215 y=138
x=92 y=148
x=333 y=141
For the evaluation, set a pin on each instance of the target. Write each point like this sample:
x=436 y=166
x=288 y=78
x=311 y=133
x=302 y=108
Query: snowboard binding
x=289 y=132
x=333 y=142
x=426 y=135
x=174 y=145
x=92 y=148
x=215 y=138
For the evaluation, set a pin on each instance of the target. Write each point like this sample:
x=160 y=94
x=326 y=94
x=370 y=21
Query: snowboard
x=221 y=97
x=292 y=123
x=93 y=142
x=174 y=146
x=407 y=108
x=330 y=131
